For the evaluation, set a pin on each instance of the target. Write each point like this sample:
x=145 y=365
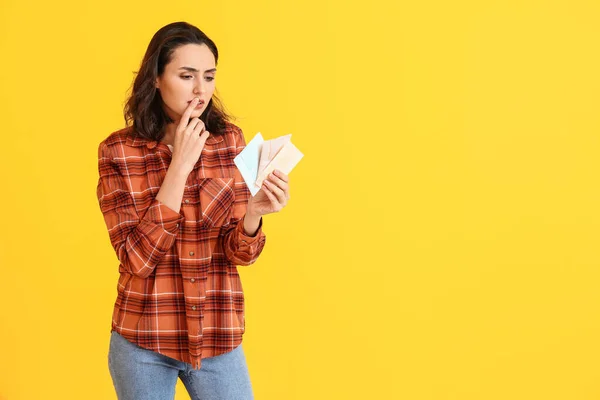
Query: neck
x=169 y=137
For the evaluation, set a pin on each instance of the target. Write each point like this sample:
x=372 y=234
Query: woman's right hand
x=190 y=137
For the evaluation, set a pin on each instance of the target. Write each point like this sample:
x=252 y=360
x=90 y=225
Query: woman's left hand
x=272 y=196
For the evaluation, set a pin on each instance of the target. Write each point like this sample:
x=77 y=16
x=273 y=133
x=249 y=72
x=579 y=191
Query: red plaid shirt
x=179 y=292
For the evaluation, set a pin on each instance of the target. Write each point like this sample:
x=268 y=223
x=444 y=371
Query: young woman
x=180 y=218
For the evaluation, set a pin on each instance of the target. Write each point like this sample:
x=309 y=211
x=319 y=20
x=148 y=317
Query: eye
x=210 y=78
x=187 y=76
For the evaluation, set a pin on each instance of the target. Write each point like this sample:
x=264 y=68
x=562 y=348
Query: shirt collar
x=139 y=141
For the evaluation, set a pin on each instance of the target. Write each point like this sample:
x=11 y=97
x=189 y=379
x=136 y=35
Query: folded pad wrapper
x=260 y=157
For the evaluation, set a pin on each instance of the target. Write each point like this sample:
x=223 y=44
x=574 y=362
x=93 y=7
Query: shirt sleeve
x=240 y=248
x=140 y=242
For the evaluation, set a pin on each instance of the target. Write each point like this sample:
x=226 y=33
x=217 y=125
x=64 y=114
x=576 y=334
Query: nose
x=199 y=87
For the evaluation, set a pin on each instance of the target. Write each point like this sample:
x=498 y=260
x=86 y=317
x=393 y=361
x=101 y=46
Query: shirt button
x=187 y=201
x=191 y=253
x=194 y=308
x=176 y=225
x=192 y=280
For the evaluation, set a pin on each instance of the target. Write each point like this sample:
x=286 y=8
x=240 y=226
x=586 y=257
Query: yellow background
x=442 y=237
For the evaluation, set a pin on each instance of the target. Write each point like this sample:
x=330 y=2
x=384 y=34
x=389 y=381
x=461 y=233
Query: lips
x=200 y=103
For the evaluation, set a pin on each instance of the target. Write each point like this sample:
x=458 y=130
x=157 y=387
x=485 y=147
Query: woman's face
x=191 y=73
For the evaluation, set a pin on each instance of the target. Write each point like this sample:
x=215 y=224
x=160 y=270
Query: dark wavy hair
x=144 y=110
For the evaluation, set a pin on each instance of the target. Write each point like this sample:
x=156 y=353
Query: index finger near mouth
x=185 y=117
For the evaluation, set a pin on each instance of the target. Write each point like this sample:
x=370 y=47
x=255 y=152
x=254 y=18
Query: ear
x=156 y=84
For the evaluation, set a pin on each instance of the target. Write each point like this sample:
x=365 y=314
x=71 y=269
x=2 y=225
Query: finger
x=281 y=175
x=203 y=136
x=285 y=178
x=278 y=182
x=272 y=198
x=185 y=117
x=277 y=191
x=194 y=124
x=200 y=131
x=198 y=128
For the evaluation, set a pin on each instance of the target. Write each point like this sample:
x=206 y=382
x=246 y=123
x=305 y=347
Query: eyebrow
x=190 y=69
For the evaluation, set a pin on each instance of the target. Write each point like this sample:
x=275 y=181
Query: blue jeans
x=141 y=374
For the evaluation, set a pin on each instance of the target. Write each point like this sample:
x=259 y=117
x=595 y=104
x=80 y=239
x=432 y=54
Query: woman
x=180 y=218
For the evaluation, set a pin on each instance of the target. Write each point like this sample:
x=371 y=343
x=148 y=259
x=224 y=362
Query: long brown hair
x=143 y=110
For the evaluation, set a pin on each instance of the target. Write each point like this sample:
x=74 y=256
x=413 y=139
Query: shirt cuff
x=159 y=213
x=249 y=240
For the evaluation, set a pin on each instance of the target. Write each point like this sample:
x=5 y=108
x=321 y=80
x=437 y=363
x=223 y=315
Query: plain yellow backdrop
x=442 y=236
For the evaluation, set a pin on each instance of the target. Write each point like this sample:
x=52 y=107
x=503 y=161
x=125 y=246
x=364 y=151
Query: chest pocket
x=217 y=196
